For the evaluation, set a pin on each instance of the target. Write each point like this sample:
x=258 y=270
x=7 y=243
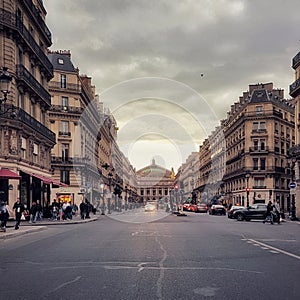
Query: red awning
x=46 y=180
x=8 y=174
x=58 y=183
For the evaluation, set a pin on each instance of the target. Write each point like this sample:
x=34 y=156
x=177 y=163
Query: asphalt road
x=193 y=257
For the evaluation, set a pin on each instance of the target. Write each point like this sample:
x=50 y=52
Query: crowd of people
x=57 y=210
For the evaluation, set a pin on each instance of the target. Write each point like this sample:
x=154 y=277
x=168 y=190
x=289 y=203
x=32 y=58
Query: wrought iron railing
x=12 y=21
x=24 y=75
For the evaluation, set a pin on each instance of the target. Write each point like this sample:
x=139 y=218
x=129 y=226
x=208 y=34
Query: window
x=35 y=152
x=60 y=61
x=63 y=81
x=255 y=144
x=262 y=163
x=259 y=182
x=23 y=148
x=255 y=163
x=65 y=176
x=259 y=110
x=64 y=126
x=262 y=125
x=64 y=103
x=262 y=144
x=65 y=152
x=255 y=126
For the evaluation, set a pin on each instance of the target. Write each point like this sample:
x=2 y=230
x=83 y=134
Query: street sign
x=292 y=185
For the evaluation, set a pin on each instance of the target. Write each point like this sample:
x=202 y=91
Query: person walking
x=83 y=209
x=4 y=215
x=18 y=208
x=32 y=212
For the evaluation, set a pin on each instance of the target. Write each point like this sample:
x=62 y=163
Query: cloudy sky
x=169 y=70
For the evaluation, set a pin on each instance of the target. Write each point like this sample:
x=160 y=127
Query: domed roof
x=154 y=170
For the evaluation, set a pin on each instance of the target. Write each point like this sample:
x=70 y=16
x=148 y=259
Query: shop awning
x=58 y=183
x=8 y=174
x=46 y=180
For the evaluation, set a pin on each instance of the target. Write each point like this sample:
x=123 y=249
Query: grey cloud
x=234 y=43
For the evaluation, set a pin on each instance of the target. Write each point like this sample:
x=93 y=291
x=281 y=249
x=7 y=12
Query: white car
x=150 y=207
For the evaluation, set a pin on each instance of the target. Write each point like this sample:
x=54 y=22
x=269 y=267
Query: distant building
x=258 y=132
x=154 y=183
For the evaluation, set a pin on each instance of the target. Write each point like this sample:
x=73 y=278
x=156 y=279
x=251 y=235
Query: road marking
x=275 y=249
x=161 y=269
x=64 y=284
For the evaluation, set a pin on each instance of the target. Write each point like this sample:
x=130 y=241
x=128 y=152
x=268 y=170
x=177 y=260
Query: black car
x=255 y=212
x=233 y=209
x=217 y=209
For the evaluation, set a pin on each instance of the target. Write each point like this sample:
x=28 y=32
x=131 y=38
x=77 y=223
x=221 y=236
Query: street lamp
x=110 y=175
x=292 y=161
x=5 y=82
x=103 y=202
x=247 y=188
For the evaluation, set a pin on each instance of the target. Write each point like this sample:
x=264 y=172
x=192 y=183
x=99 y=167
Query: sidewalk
x=26 y=227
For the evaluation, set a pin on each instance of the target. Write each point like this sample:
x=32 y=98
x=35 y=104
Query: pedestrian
x=83 y=209
x=4 y=215
x=55 y=209
x=19 y=208
x=32 y=212
x=268 y=213
x=39 y=211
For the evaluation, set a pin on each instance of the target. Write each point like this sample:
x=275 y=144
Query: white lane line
x=275 y=249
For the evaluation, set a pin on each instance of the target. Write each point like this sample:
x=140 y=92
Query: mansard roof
x=61 y=61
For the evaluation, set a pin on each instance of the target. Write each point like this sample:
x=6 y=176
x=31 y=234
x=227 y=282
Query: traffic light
x=247 y=190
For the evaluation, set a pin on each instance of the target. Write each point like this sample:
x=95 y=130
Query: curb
x=14 y=233
x=29 y=228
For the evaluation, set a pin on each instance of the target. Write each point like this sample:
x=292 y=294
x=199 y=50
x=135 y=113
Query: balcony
x=8 y=19
x=59 y=160
x=19 y=115
x=280 y=170
x=295 y=88
x=70 y=87
x=259 y=150
x=64 y=134
x=66 y=109
x=296 y=61
x=23 y=75
x=39 y=20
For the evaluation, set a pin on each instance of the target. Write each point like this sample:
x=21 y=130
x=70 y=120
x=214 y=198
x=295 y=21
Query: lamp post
x=247 y=188
x=126 y=200
x=5 y=82
x=103 y=202
x=110 y=175
x=292 y=161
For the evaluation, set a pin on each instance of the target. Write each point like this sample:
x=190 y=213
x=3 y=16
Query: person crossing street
x=18 y=208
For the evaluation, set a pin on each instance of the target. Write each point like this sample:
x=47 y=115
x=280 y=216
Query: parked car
x=202 y=208
x=255 y=211
x=217 y=209
x=150 y=207
x=186 y=206
x=233 y=209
